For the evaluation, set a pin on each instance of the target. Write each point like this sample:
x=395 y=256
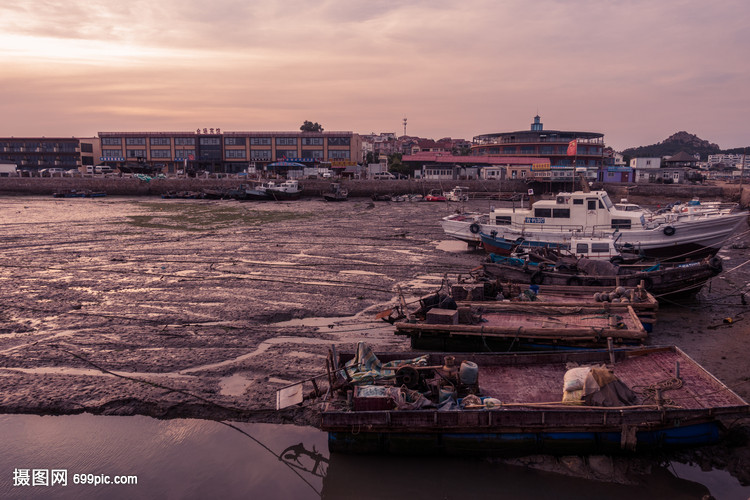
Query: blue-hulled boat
x=620 y=400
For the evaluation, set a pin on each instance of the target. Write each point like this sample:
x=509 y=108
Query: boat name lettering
x=534 y=220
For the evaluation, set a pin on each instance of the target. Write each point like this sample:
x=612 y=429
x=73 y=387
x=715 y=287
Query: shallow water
x=185 y=458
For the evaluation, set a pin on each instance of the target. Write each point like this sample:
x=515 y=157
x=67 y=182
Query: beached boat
x=78 y=193
x=287 y=190
x=336 y=193
x=493 y=295
x=598 y=401
x=663 y=279
x=458 y=193
x=518 y=326
x=696 y=232
x=597 y=247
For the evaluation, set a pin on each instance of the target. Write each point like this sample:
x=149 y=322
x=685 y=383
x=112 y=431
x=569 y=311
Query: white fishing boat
x=695 y=232
x=458 y=193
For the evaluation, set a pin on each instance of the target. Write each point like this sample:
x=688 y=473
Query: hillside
x=681 y=141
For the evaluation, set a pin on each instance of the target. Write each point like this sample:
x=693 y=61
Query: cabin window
x=561 y=213
x=620 y=223
x=591 y=204
x=502 y=220
x=542 y=212
x=582 y=248
x=577 y=201
x=600 y=247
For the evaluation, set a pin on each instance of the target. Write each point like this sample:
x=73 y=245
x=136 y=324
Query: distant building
x=682 y=159
x=552 y=144
x=32 y=154
x=444 y=166
x=641 y=163
x=229 y=152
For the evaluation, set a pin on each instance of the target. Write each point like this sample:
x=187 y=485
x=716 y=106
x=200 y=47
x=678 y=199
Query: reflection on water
x=205 y=459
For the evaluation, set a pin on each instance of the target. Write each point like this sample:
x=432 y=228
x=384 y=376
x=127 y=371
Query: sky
x=636 y=71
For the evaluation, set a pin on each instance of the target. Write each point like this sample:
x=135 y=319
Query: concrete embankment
x=124 y=186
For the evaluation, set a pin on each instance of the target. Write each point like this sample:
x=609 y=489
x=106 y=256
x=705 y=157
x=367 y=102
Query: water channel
x=188 y=458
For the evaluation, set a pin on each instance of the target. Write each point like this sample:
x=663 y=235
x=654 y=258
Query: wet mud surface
x=204 y=308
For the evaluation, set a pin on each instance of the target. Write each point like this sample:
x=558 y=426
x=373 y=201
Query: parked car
x=383 y=176
x=103 y=169
x=52 y=172
x=72 y=172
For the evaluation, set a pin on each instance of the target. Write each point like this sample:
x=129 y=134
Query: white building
x=636 y=163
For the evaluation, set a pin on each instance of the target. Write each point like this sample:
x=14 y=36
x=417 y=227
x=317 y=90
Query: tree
x=309 y=126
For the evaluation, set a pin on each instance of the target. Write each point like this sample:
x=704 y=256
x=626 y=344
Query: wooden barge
x=478 y=329
x=518 y=403
x=498 y=296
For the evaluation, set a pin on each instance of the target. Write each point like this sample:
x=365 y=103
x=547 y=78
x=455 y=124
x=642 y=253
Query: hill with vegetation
x=681 y=141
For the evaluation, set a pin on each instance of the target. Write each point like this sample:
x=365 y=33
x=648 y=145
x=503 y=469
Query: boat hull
x=530 y=418
x=693 y=237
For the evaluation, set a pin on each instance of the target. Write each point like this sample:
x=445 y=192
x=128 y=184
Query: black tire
x=474 y=228
x=537 y=278
x=617 y=260
x=716 y=264
x=669 y=231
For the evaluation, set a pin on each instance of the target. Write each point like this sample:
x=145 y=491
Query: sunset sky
x=637 y=71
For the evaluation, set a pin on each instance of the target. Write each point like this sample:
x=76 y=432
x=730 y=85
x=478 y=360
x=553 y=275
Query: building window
x=312 y=153
x=87 y=147
x=136 y=153
x=286 y=141
x=340 y=155
x=260 y=154
x=210 y=141
x=338 y=141
x=116 y=153
x=286 y=153
x=184 y=153
x=312 y=141
x=135 y=141
x=184 y=141
x=235 y=153
x=527 y=150
x=159 y=141
x=161 y=153
x=111 y=141
x=234 y=141
x=260 y=141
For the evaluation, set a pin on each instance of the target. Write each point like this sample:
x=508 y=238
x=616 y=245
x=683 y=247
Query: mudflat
x=204 y=308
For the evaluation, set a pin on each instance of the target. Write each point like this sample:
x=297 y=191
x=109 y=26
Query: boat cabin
x=589 y=213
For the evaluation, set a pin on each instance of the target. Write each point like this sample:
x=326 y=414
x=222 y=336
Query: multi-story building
x=552 y=144
x=230 y=152
x=33 y=154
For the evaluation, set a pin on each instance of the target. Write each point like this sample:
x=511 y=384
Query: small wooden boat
x=601 y=401
x=435 y=195
x=519 y=326
x=336 y=193
x=493 y=295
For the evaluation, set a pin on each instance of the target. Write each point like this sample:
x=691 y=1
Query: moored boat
x=608 y=400
x=665 y=280
x=695 y=232
x=336 y=193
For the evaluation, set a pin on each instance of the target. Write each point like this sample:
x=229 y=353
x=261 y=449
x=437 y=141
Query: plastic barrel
x=468 y=373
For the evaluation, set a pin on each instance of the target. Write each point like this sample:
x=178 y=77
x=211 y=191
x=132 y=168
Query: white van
x=103 y=169
x=382 y=175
